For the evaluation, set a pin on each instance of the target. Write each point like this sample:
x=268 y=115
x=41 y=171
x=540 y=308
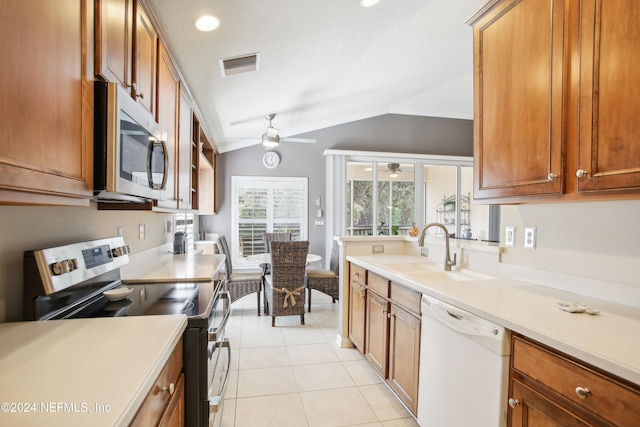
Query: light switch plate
x=510 y=237
x=530 y=236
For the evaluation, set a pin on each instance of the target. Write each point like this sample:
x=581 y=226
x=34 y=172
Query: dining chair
x=325 y=281
x=272 y=237
x=284 y=287
x=239 y=284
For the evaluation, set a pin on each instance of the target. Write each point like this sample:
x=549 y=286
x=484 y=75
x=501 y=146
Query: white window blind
x=266 y=204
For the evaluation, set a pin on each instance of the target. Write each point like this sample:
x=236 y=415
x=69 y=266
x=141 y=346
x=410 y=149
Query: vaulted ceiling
x=321 y=62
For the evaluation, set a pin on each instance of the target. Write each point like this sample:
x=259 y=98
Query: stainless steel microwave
x=130 y=153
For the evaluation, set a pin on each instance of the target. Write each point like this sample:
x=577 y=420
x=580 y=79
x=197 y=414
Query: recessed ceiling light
x=368 y=3
x=207 y=23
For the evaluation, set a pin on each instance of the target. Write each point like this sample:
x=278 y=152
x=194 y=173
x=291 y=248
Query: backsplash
x=32 y=227
x=598 y=240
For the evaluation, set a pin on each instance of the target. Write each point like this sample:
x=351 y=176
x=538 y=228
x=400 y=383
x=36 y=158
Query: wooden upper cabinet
x=609 y=132
x=556 y=100
x=185 y=133
x=46 y=106
x=168 y=97
x=519 y=93
x=144 y=59
x=114 y=41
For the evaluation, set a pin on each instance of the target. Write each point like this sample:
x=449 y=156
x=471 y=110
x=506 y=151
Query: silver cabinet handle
x=583 y=392
x=171 y=389
x=581 y=173
x=552 y=176
x=513 y=402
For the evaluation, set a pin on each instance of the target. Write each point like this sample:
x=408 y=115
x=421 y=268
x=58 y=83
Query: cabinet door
x=377 y=333
x=530 y=408
x=206 y=191
x=519 y=100
x=357 y=313
x=173 y=415
x=144 y=65
x=404 y=355
x=167 y=117
x=46 y=106
x=184 y=152
x=114 y=32
x=609 y=151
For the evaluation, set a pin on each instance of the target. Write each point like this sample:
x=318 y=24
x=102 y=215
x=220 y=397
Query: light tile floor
x=294 y=375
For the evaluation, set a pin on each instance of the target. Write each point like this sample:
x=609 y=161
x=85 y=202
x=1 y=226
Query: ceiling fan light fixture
x=207 y=23
x=270 y=141
x=393 y=174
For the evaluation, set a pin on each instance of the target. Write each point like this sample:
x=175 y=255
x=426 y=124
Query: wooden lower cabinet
x=377 y=333
x=549 y=388
x=173 y=415
x=386 y=329
x=164 y=405
x=357 y=304
x=404 y=355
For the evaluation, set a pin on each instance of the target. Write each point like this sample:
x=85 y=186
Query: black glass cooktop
x=192 y=299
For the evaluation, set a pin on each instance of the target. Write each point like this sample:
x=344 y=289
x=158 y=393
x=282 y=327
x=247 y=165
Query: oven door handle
x=215 y=401
x=213 y=334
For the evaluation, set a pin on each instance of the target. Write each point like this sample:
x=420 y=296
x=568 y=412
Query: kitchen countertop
x=83 y=371
x=607 y=340
x=161 y=266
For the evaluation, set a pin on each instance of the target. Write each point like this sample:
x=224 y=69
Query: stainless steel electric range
x=70 y=281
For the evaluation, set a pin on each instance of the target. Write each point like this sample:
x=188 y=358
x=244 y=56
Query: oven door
x=219 y=357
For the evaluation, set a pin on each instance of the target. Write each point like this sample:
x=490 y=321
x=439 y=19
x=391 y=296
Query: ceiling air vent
x=239 y=64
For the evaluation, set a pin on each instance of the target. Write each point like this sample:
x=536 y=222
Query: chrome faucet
x=447 y=260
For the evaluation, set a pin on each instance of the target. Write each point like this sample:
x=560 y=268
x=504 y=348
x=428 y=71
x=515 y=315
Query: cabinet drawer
x=607 y=397
x=358 y=274
x=378 y=284
x=155 y=402
x=408 y=298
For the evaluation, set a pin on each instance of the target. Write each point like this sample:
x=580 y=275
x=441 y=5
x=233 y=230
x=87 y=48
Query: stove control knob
x=73 y=264
x=116 y=252
x=56 y=268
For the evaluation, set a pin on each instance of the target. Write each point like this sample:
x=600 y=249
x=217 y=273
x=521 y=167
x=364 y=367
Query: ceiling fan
x=271 y=138
x=393 y=169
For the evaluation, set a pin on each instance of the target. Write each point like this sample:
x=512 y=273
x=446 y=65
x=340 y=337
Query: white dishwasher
x=464 y=368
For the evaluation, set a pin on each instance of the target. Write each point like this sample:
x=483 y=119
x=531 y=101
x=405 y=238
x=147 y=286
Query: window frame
x=267 y=182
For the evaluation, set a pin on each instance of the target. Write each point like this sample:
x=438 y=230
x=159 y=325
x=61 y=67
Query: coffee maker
x=179 y=243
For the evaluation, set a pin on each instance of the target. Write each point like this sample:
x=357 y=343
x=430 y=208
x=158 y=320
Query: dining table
x=265 y=258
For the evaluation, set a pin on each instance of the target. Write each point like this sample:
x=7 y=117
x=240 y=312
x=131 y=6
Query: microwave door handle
x=165 y=156
x=214 y=402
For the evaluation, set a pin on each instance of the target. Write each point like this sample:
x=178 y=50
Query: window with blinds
x=266 y=204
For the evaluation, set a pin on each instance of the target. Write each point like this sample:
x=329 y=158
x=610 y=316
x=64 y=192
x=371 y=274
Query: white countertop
x=608 y=340
x=85 y=372
x=160 y=266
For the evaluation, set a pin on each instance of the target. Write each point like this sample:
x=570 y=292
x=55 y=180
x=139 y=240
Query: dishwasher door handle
x=455 y=316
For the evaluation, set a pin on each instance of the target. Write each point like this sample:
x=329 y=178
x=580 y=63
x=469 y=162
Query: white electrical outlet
x=510 y=237
x=141 y=231
x=120 y=231
x=530 y=237
x=377 y=249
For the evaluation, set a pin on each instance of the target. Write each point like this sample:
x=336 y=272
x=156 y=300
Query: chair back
x=275 y=237
x=334 y=262
x=224 y=247
x=288 y=263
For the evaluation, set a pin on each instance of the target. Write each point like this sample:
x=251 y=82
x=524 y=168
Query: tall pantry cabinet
x=556 y=100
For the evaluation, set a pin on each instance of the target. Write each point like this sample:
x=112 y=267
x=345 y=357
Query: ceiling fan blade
x=303 y=140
